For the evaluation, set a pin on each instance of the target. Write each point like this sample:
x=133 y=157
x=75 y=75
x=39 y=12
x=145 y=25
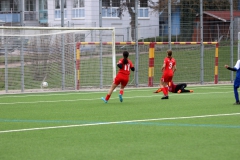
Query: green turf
x=79 y=125
x=188 y=69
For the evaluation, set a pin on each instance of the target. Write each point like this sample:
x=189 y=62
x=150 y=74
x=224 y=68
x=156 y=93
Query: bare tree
x=129 y=6
x=207 y=4
x=188 y=8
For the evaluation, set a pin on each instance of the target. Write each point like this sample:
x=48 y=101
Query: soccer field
x=79 y=125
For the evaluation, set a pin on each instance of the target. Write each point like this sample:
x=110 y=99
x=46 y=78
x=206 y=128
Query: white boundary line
x=145 y=89
x=118 y=122
x=90 y=99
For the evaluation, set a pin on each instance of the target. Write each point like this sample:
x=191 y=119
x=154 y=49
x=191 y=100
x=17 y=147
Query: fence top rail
x=57 y=28
x=144 y=43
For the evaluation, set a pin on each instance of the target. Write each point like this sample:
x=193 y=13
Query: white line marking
x=74 y=100
x=46 y=95
x=52 y=101
x=118 y=122
x=150 y=89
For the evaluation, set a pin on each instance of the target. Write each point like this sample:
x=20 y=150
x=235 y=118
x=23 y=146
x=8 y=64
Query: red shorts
x=167 y=78
x=120 y=78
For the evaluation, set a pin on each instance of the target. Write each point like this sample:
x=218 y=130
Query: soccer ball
x=44 y=84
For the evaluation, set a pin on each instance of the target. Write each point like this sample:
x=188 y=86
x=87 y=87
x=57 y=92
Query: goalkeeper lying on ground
x=175 y=88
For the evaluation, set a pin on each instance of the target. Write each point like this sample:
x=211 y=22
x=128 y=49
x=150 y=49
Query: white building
x=79 y=13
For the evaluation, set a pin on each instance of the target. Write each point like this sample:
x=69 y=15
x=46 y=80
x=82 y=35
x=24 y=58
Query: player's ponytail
x=169 y=52
x=125 y=57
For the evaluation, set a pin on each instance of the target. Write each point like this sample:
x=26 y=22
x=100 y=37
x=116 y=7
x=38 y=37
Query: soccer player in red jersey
x=168 y=69
x=124 y=65
x=175 y=88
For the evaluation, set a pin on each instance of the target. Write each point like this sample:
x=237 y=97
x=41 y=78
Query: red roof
x=222 y=15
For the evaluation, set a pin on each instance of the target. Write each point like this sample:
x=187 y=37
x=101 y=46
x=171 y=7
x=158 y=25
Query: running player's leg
x=164 y=87
x=165 y=81
x=121 y=93
x=115 y=83
x=124 y=82
x=109 y=93
x=235 y=88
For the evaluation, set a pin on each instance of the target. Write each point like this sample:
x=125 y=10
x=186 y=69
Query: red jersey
x=169 y=63
x=125 y=67
x=168 y=71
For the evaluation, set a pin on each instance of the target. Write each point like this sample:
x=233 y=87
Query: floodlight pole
x=21 y=12
x=62 y=13
x=169 y=25
x=231 y=35
x=136 y=44
x=6 y=65
x=100 y=40
x=202 y=46
x=63 y=47
x=21 y=51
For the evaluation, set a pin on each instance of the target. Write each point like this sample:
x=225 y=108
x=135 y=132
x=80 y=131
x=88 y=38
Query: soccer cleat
x=179 y=91
x=120 y=98
x=164 y=97
x=157 y=91
x=236 y=103
x=191 y=91
x=104 y=99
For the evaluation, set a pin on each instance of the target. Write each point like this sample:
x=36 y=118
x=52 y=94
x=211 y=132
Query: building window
x=43 y=12
x=9 y=5
x=143 y=8
x=78 y=10
x=110 y=8
x=30 y=5
x=58 y=9
x=43 y=5
x=30 y=10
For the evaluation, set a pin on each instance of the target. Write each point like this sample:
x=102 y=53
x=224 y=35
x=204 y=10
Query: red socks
x=165 y=91
x=121 y=91
x=107 y=97
x=166 y=88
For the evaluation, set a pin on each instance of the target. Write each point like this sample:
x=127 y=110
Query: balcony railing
x=10 y=17
x=114 y=12
x=30 y=16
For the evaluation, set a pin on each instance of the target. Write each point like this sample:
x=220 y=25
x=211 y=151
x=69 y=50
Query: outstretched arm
x=229 y=68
